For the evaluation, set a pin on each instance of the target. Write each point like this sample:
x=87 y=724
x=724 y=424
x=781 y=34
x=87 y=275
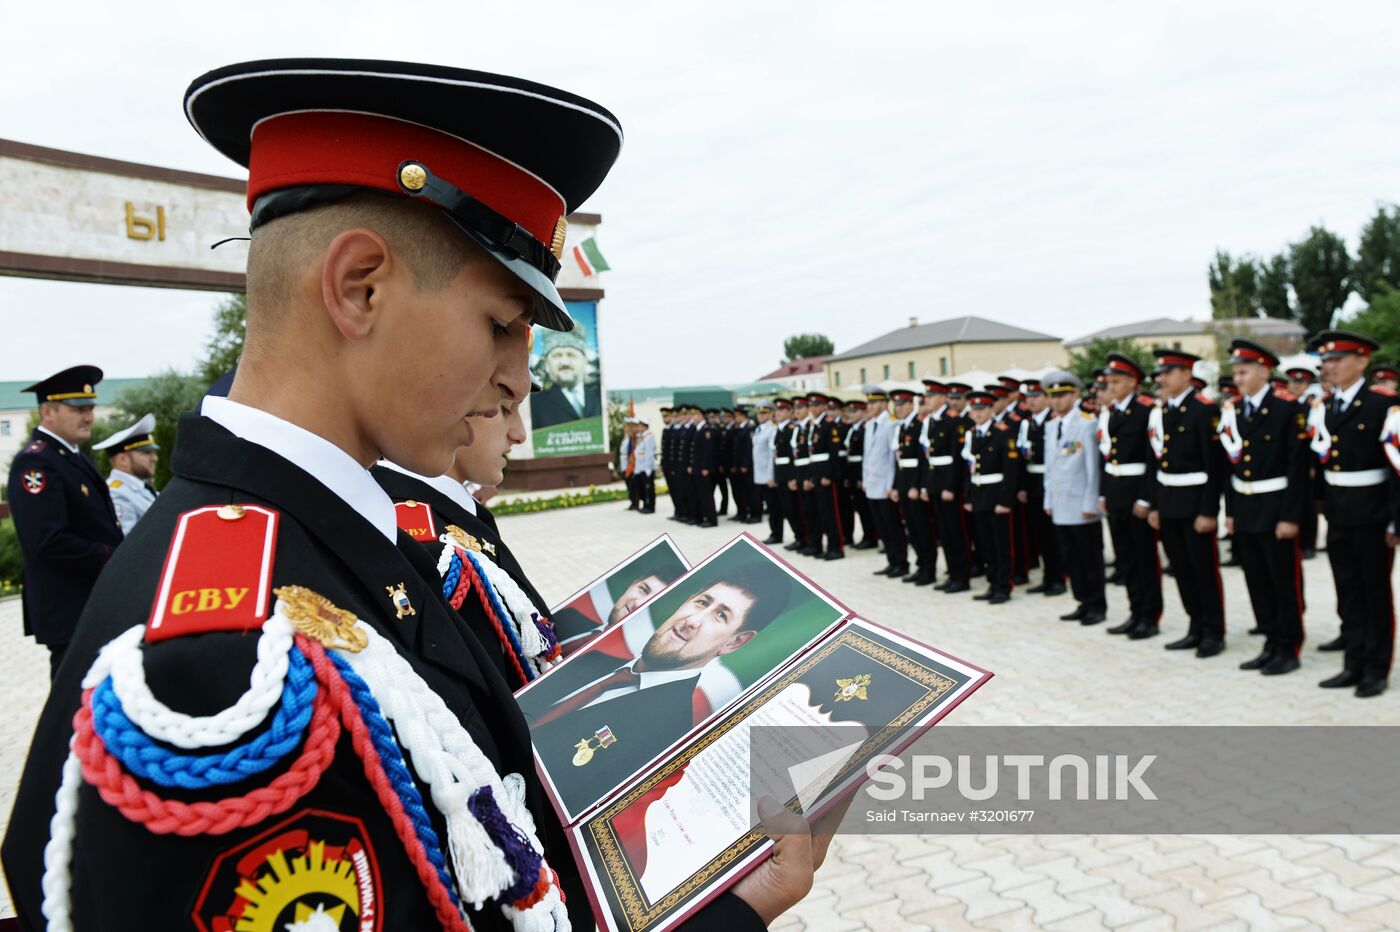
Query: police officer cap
x=139 y=436
x=505 y=159
x=1059 y=381
x=76 y=386
x=873 y=393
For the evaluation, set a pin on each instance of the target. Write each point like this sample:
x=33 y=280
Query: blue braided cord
x=143 y=757
x=506 y=619
x=453 y=574
x=522 y=857
x=396 y=769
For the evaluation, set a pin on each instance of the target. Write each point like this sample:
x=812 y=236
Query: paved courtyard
x=1047 y=672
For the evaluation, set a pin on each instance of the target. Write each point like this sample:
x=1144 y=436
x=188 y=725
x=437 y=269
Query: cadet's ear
x=356 y=264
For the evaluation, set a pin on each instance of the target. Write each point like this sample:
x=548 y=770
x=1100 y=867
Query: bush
x=11 y=562
x=592 y=496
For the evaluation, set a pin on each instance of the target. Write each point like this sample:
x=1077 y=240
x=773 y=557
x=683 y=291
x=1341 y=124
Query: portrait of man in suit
x=596 y=608
x=598 y=719
x=570 y=381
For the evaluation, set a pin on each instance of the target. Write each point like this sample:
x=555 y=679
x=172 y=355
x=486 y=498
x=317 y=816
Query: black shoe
x=1309 y=554
x=795 y=545
x=1266 y=657
x=1337 y=643
x=833 y=555
x=864 y=545
x=925 y=578
x=1143 y=631
x=897 y=572
x=1055 y=589
x=631 y=507
x=771 y=539
x=943 y=585
x=1256 y=630
x=1115 y=579
x=810 y=552
x=1092 y=618
x=1370 y=688
x=708 y=523
x=1076 y=615
x=1125 y=627
x=911 y=576
x=1038 y=587
x=1021 y=580
x=999 y=598
x=1342 y=680
x=961 y=585
x=1285 y=663
x=984 y=596
x=1209 y=648
x=648 y=511
x=1186 y=643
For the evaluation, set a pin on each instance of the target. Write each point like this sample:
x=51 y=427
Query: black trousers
x=920 y=531
x=861 y=506
x=1361 y=564
x=56 y=653
x=741 y=483
x=634 y=490
x=828 y=499
x=646 y=482
x=1195 y=560
x=1079 y=552
x=951 y=521
x=676 y=489
x=703 y=488
x=1273 y=572
x=1135 y=551
x=888 y=525
x=796 y=516
x=1043 y=537
x=773 y=497
x=1023 y=558
x=758 y=493
x=812 y=514
x=721 y=480
x=846 y=508
x=995 y=540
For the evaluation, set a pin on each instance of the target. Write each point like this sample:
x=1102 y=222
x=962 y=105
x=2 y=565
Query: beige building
x=1208 y=339
x=941 y=350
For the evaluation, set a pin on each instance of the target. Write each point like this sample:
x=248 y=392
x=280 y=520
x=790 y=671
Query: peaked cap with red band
x=1173 y=359
x=1118 y=364
x=957 y=389
x=505 y=159
x=998 y=390
x=1384 y=370
x=1244 y=351
x=983 y=398
x=1334 y=343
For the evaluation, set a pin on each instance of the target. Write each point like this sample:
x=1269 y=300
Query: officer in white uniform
x=133 y=454
x=1072 y=468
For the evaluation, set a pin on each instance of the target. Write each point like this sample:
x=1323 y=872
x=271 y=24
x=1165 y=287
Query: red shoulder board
x=416 y=520
x=1146 y=400
x=1382 y=390
x=1001 y=426
x=1285 y=395
x=218 y=573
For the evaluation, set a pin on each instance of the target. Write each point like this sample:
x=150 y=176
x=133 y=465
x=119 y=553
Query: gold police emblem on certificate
x=584 y=750
x=853 y=688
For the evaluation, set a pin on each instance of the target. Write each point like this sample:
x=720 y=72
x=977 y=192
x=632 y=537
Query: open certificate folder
x=655 y=770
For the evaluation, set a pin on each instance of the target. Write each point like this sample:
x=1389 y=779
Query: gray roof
x=1167 y=327
x=939 y=333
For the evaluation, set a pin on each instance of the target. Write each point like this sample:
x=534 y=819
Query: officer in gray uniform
x=1072 y=468
x=133 y=454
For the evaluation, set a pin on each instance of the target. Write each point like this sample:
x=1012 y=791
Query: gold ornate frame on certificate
x=640 y=914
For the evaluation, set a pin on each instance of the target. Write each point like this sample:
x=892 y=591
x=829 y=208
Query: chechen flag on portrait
x=590 y=258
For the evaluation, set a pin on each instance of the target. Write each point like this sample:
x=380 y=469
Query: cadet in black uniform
x=1361 y=502
x=687 y=426
x=704 y=459
x=826 y=465
x=741 y=465
x=62 y=510
x=852 y=430
x=811 y=508
x=724 y=453
x=944 y=432
x=1184 y=494
x=1264 y=437
x=995 y=465
x=667 y=439
x=799 y=515
x=1123 y=444
x=908 y=480
x=1040 y=529
x=783 y=471
x=267 y=521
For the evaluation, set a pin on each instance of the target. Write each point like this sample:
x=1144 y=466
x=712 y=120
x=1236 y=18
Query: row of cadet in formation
x=1024 y=474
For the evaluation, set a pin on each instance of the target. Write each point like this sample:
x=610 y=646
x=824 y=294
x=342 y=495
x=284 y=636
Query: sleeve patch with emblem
x=217 y=574
x=34 y=481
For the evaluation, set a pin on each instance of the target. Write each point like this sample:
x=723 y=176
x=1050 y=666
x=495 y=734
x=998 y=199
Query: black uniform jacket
x=644 y=722
x=67 y=530
x=1190 y=446
x=995 y=453
x=1034 y=482
x=782 y=450
x=945 y=438
x=910 y=448
x=126 y=877
x=854 y=443
x=705 y=449
x=685 y=442
x=1274 y=447
x=1356 y=445
x=743 y=447
x=826 y=447
x=1128 y=430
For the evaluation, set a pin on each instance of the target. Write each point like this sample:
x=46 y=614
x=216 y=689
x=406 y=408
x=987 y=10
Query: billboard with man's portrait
x=567 y=417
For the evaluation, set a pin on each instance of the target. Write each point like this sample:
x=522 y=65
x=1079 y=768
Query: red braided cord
x=164 y=816
x=359 y=737
x=469 y=575
x=464 y=583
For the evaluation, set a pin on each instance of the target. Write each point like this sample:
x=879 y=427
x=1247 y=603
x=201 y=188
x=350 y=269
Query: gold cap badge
x=413 y=176
x=318 y=618
x=556 y=244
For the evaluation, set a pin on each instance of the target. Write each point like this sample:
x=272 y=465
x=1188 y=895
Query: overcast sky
x=829 y=167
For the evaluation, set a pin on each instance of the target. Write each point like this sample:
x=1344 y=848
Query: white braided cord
x=521 y=609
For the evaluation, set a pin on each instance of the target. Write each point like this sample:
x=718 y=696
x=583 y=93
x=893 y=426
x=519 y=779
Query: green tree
x=226 y=345
x=1380 y=322
x=805 y=345
x=1377 y=262
x=1234 y=287
x=1321 y=277
x=166 y=395
x=1083 y=361
x=1274 y=297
